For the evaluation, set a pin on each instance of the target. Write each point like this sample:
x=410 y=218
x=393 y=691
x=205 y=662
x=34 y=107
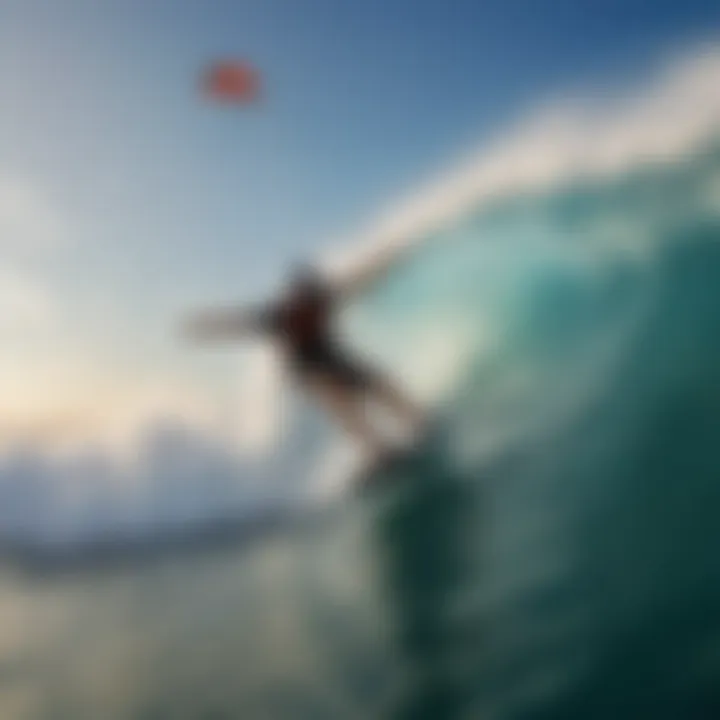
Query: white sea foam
x=596 y=136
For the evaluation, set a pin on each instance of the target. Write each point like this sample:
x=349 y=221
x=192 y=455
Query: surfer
x=302 y=322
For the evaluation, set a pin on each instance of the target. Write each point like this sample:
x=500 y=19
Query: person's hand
x=217 y=325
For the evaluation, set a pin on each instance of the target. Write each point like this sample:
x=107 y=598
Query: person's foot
x=383 y=457
x=381 y=461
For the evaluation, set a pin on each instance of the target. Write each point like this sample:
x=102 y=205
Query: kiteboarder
x=301 y=320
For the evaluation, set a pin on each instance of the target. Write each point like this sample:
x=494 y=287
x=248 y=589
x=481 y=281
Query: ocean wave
x=654 y=121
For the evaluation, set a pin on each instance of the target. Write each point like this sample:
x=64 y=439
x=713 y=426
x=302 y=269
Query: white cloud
x=175 y=474
x=26 y=304
x=30 y=230
x=28 y=219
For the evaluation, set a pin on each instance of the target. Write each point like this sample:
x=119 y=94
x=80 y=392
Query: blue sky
x=166 y=202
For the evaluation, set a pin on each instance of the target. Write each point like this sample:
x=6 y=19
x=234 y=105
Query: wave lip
x=676 y=114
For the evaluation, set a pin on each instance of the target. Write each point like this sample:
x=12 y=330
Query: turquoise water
x=551 y=553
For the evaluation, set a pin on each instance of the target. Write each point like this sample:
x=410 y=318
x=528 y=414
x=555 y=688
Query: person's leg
x=372 y=385
x=389 y=395
x=345 y=406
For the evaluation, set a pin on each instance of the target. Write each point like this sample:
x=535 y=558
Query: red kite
x=232 y=81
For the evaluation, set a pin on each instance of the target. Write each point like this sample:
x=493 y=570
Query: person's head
x=305 y=281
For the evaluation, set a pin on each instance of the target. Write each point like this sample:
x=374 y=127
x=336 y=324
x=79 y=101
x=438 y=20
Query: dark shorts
x=333 y=363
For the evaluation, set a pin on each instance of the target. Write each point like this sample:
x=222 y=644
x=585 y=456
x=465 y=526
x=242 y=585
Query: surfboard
x=378 y=470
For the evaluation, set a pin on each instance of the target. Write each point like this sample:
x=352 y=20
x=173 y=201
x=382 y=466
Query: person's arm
x=225 y=324
x=366 y=272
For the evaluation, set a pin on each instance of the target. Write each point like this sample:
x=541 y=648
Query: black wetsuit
x=305 y=329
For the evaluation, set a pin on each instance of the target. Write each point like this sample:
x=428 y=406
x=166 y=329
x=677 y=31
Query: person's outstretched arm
x=366 y=272
x=226 y=324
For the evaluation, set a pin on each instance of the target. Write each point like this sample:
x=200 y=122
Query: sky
x=126 y=199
